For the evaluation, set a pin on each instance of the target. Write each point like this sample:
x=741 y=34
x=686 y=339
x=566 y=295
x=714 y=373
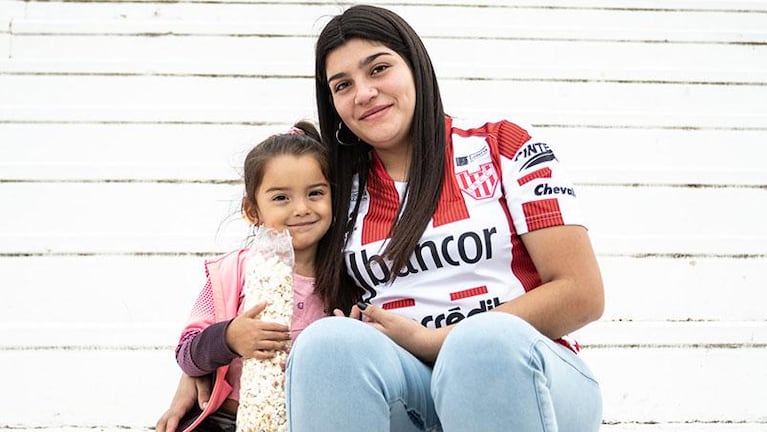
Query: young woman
x=466 y=244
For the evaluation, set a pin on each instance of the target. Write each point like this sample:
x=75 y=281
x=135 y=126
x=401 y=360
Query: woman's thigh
x=496 y=372
x=364 y=379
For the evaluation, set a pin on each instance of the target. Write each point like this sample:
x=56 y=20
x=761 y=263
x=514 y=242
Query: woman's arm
x=571 y=293
x=189 y=391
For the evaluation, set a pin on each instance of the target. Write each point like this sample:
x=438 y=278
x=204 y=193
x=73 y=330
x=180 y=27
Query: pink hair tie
x=294 y=131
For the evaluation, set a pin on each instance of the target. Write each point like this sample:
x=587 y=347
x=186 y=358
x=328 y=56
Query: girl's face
x=373 y=92
x=294 y=194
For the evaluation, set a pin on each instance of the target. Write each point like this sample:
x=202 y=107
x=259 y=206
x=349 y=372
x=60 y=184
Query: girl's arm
x=202 y=352
x=202 y=347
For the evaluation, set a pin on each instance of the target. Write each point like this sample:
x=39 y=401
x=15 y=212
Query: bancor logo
x=468 y=248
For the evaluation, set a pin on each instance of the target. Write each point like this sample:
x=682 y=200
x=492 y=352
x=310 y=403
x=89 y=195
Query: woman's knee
x=490 y=332
x=478 y=348
x=330 y=340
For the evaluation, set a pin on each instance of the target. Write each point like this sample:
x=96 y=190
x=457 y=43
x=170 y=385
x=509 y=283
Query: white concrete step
x=627 y=427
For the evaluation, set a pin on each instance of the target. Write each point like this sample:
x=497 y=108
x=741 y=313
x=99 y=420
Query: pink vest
x=227 y=277
x=226 y=299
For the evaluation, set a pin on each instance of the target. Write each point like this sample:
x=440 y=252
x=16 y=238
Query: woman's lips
x=373 y=111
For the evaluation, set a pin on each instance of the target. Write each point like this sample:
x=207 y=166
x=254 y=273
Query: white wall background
x=122 y=126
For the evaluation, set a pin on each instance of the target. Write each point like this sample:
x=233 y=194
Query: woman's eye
x=378 y=69
x=340 y=86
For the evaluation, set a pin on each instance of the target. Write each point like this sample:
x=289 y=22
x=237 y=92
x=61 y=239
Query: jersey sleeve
x=537 y=188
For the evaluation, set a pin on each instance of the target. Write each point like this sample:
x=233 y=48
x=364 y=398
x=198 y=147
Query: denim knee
x=357 y=366
x=328 y=338
x=495 y=336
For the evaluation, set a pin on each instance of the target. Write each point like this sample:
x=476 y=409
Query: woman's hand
x=250 y=337
x=420 y=341
x=189 y=390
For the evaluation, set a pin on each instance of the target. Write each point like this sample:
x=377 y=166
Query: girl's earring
x=342 y=142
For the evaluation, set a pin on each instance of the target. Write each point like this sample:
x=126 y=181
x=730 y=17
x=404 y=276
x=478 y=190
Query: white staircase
x=123 y=125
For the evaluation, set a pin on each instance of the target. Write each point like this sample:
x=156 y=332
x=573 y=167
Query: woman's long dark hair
x=427 y=135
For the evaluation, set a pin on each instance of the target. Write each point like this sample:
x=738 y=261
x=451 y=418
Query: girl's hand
x=422 y=342
x=355 y=313
x=250 y=337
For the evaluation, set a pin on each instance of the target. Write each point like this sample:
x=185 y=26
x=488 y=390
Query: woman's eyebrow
x=364 y=62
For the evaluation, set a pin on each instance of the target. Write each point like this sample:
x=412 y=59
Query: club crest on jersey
x=478 y=184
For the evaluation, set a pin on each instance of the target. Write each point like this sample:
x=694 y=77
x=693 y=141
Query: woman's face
x=374 y=93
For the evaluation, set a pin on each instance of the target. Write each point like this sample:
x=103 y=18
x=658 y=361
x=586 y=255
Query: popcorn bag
x=268 y=277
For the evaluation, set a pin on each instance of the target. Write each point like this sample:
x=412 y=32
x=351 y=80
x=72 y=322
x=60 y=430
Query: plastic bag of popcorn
x=268 y=277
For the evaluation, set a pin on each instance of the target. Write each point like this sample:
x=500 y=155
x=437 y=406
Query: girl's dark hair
x=427 y=135
x=302 y=139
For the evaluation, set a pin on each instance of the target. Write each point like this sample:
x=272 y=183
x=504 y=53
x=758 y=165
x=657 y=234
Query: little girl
x=286 y=186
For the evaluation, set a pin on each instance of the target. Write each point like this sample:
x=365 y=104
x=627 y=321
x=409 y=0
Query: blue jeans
x=495 y=372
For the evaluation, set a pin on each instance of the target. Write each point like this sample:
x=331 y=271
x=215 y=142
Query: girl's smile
x=294 y=194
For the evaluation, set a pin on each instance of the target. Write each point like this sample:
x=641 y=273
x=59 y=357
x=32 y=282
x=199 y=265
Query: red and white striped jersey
x=500 y=183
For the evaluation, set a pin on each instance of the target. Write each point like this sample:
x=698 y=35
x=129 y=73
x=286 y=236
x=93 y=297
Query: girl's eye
x=316 y=193
x=279 y=198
